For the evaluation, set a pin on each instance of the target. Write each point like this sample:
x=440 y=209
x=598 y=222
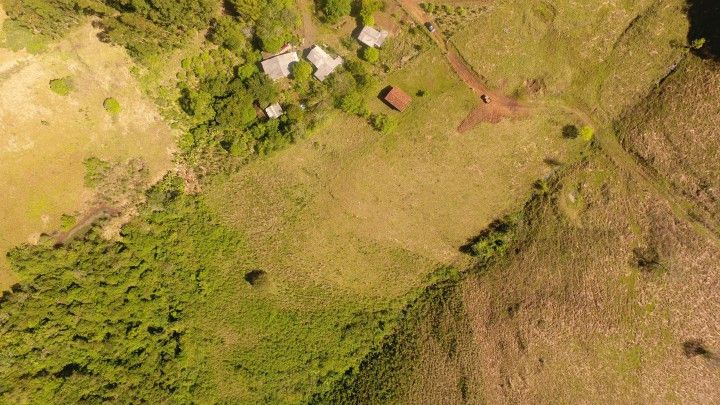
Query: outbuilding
x=274 y=111
x=397 y=98
x=279 y=66
x=372 y=37
x=323 y=62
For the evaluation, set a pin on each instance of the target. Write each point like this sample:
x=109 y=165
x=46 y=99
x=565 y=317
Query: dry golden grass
x=676 y=134
x=45 y=136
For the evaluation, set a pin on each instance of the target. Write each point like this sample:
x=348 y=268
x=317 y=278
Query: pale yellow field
x=44 y=137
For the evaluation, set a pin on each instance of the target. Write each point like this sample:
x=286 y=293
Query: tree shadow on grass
x=704 y=17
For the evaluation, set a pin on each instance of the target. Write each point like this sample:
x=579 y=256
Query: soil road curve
x=500 y=106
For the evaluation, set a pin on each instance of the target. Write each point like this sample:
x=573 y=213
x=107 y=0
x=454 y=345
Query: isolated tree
x=697 y=43
x=61 y=86
x=354 y=103
x=382 y=123
x=112 y=106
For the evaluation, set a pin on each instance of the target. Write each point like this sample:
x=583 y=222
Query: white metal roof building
x=372 y=37
x=279 y=66
x=324 y=63
x=274 y=111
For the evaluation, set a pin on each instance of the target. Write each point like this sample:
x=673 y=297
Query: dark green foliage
x=104 y=321
x=262 y=89
x=363 y=79
x=144 y=27
x=52 y=17
x=382 y=123
x=276 y=25
x=333 y=10
x=235 y=111
x=227 y=32
x=382 y=376
x=495 y=240
x=248 y=10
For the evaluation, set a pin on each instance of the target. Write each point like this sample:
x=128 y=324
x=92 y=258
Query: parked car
x=485 y=98
x=430 y=27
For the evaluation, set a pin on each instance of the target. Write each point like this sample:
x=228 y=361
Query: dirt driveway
x=499 y=108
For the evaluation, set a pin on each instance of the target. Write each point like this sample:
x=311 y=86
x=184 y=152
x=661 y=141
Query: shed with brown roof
x=397 y=98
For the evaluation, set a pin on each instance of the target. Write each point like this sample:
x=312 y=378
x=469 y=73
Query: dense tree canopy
x=105 y=321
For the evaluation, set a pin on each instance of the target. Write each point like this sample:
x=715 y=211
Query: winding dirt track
x=499 y=108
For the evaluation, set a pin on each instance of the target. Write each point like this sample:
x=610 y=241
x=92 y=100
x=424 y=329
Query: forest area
x=109 y=320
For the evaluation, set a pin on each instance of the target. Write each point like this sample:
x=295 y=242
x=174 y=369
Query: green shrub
x=587 y=133
x=301 y=71
x=428 y=7
x=112 y=106
x=370 y=54
x=354 y=103
x=382 y=123
x=67 y=222
x=61 y=86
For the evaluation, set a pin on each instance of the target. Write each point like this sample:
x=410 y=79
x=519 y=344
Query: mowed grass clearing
x=348 y=222
x=46 y=136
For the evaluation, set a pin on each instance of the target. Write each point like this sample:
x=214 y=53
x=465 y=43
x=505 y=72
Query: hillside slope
x=610 y=294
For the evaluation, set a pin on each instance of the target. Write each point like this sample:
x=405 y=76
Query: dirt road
x=84 y=224
x=499 y=108
x=309 y=31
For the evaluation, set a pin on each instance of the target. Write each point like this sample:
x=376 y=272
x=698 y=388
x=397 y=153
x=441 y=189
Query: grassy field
x=297 y=266
x=46 y=136
x=599 y=58
x=348 y=222
x=610 y=295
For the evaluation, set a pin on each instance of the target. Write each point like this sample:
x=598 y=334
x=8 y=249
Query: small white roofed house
x=274 y=111
x=279 y=66
x=372 y=37
x=324 y=63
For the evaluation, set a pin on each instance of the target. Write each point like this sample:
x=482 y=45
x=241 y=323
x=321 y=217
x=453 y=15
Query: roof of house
x=372 y=37
x=397 y=98
x=324 y=63
x=279 y=66
x=274 y=110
